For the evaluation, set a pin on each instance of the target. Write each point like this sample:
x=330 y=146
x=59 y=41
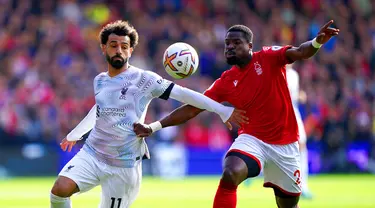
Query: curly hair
x=120 y=28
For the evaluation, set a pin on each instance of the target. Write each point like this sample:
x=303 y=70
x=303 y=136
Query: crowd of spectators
x=49 y=55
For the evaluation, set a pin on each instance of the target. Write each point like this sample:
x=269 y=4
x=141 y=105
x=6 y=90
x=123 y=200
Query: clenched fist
x=142 y=130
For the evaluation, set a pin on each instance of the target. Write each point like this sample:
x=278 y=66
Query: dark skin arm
x=180 y=115
x=306 y=50
x=185 y=113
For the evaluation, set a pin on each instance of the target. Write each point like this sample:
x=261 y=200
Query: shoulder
x=98 y=81
x=146 y=73
x=151 y=74
x=225 y=77
x=228 y=74
x=274 y=49
x=100 y=76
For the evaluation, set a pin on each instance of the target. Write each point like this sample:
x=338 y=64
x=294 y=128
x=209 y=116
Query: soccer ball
x=180 y=60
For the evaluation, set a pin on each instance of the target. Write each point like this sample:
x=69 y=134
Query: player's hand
x=142 y=130
x=326 y=33
x=238 y=117
x=65 y=144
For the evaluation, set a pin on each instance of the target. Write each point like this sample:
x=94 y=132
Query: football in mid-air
x=180 y=60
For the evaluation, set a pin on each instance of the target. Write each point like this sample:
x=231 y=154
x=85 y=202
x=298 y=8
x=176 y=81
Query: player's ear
x=103 y=47
x=251 y=46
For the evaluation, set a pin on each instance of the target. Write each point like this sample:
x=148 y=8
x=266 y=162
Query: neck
x=246 y=61
x=114 y=72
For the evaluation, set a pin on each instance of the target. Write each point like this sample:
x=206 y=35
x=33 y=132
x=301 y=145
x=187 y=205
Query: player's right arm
x=85 y=125
x=81 y=129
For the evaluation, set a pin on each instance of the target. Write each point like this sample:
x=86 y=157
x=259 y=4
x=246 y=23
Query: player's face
x=237 y=49
x=117 y=50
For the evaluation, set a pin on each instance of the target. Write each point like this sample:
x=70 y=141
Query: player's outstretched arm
x=82 y=128
x=309 y=48
x=176 y=117
x=197 y=103
x=180 y=116
x=200 y=101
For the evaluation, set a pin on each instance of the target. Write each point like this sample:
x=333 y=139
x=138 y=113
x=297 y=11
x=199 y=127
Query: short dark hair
x=245 y=30
x=120 y=28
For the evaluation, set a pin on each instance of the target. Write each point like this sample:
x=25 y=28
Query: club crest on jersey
x=258 y=68
x=123 y=93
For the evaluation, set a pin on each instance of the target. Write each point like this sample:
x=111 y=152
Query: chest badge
x=258 y=68
x=123 y=93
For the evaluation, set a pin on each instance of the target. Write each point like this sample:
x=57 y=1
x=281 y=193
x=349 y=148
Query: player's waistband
x=282 y=141
x=116 y=162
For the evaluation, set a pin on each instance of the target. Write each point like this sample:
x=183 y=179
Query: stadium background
x=49 y=55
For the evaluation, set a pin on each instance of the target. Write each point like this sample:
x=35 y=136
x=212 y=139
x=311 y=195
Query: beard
x=232 y=60
x=116 y=63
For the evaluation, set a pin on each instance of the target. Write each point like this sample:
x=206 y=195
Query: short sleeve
x=214 y=91
x=277 y=54
x=95 y=84
x=98 y=82
x=160 y=87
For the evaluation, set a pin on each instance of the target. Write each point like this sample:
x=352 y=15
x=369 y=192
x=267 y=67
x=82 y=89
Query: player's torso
x=254 y=87
x=121 y=101
x=262 y=91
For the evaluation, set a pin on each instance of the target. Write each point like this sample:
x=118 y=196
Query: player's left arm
x=165 y=89
x=196 y=103
x=309 y=48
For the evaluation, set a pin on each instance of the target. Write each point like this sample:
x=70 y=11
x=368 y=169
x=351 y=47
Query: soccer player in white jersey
x=112 y=155
x=292 y=78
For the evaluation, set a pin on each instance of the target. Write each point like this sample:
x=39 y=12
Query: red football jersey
x=260 y=89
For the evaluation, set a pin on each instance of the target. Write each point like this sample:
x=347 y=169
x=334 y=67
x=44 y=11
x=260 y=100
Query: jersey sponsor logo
x=258 y=68
x=123 y=93
x=235 y=83
x=120 y=112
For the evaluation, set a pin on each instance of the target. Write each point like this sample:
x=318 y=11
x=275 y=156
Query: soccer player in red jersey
x=257 y=84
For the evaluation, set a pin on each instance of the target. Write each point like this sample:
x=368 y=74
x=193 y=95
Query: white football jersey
x=121 y=101
x=293 y=84
x=292 y=78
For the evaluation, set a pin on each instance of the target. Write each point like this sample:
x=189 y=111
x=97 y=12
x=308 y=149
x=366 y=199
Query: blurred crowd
x=49 y=55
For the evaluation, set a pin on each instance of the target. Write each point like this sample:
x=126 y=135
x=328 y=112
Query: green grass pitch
x=330 y=191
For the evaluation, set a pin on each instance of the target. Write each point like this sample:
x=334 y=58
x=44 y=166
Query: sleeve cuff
x=167 y=92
